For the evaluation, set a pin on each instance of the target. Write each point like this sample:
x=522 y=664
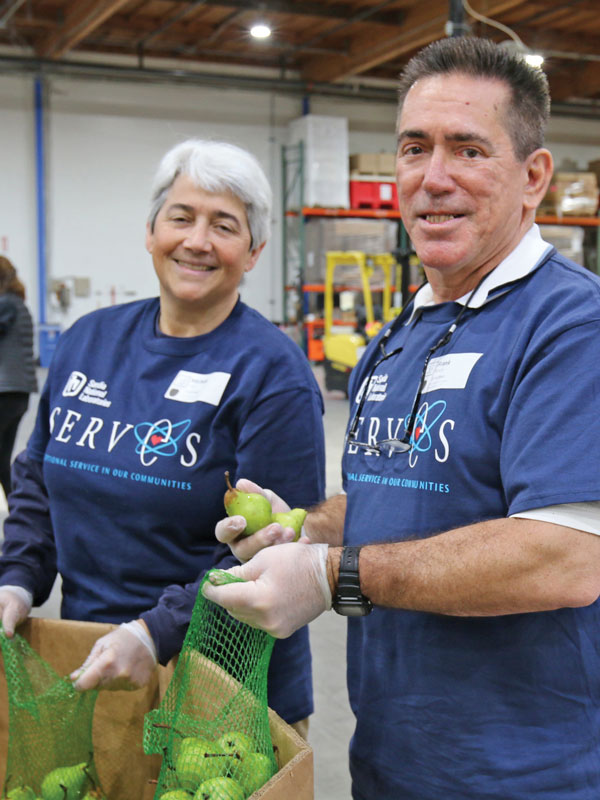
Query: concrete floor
x=332 y=723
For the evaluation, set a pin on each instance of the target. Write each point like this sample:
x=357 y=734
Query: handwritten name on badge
x=195 y=387
x=450 y=371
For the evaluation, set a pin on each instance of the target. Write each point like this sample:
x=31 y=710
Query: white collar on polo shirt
x=526 y=257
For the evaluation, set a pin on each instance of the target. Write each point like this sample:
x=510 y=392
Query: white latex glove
x=285 y=588
x=123 y=659
x=15 y=605
x=228 y=530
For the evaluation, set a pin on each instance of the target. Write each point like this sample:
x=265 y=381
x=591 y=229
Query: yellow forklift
x=342 y=350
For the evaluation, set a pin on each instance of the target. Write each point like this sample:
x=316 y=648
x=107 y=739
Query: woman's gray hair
x=217 y=167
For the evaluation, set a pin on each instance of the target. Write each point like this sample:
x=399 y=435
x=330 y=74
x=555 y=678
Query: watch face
x=353 y=606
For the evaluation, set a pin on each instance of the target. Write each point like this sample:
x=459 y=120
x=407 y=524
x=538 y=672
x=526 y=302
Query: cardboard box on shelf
x=367 y=163
x=594 y=166
x=373 y=163
x=124 y=769
x=571 y=194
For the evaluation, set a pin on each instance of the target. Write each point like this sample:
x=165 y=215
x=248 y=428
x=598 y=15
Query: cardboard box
x=571 y=194
x=124 y=769
x=373 y=163
x=594 y=166
x=366 y=163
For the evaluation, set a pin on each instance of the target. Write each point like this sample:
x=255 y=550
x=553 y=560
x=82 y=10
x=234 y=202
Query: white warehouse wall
x=104 y=140
x=18 y=225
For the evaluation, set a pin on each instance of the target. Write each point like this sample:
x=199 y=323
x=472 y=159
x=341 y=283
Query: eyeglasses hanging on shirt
x=390 y=447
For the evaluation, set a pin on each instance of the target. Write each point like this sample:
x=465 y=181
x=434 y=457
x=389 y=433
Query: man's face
x=460 y=186
x=200 y=246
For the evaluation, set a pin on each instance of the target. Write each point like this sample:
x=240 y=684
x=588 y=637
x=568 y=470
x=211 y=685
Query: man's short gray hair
x=217 y=167
x=529 y=104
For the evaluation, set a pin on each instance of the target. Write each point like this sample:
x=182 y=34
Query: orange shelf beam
x=378 y=213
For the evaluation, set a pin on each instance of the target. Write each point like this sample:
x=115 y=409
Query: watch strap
x=348 y=599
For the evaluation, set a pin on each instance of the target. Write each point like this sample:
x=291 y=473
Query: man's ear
x=539 y=171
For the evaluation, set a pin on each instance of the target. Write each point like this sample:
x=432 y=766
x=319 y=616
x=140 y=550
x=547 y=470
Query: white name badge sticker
x=450 y=371
x=194 y=387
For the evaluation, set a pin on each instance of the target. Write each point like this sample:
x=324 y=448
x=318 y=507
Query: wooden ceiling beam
x=582 y=80
x=81 y=19
x=555 y=39
x=341 y=11
x=424 y=23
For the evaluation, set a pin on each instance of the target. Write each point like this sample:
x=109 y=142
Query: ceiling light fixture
x=534 y=59
x=260 y=30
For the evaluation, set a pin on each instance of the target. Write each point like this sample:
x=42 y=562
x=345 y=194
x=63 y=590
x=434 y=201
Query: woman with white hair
x=146 y=405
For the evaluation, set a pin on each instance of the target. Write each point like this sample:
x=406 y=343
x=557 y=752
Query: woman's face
x=200 y=247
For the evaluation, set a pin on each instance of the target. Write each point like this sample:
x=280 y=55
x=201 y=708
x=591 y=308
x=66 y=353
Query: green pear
x=21 y=793
x=253 y=771
x=64 y=783
x=254 y=507
x=291 y=519
x=220 y=789
x=236 y=743
x=199 y=759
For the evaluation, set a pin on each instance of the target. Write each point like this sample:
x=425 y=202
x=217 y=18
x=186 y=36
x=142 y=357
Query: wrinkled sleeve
x=28 y=550
x=281 y=447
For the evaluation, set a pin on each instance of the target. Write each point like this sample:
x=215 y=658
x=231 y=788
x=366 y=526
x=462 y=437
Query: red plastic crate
x=373 y=194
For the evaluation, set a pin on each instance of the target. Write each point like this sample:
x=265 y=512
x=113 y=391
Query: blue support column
x=41 y=198
x=48 y=334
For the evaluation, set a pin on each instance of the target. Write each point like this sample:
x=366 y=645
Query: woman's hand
x=15 y=605
x=123 y=659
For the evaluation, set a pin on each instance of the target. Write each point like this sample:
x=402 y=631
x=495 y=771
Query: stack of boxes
x=571 y=194
x=326 y=173
x=373 y=181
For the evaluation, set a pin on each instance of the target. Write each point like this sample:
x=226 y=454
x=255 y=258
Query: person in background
x=466 y=548
x=17 y=368
x=146 y=405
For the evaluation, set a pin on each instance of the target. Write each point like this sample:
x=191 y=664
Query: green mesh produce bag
x=50 y=752
x=212 y=727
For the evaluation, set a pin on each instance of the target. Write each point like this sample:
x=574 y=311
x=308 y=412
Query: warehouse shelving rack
x=296 y=216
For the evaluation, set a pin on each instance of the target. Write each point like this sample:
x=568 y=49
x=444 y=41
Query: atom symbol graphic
x=158 y=438
x=426 y=419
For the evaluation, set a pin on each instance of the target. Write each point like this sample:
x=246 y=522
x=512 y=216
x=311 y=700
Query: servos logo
x=430 y=433
x=158 y=439
x=74 y=384
x=152 y=440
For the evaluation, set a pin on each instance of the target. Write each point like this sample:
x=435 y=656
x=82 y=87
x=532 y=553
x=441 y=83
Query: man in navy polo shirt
x=465 y=548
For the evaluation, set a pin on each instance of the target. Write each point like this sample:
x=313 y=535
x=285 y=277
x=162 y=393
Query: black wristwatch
x=348 y=599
